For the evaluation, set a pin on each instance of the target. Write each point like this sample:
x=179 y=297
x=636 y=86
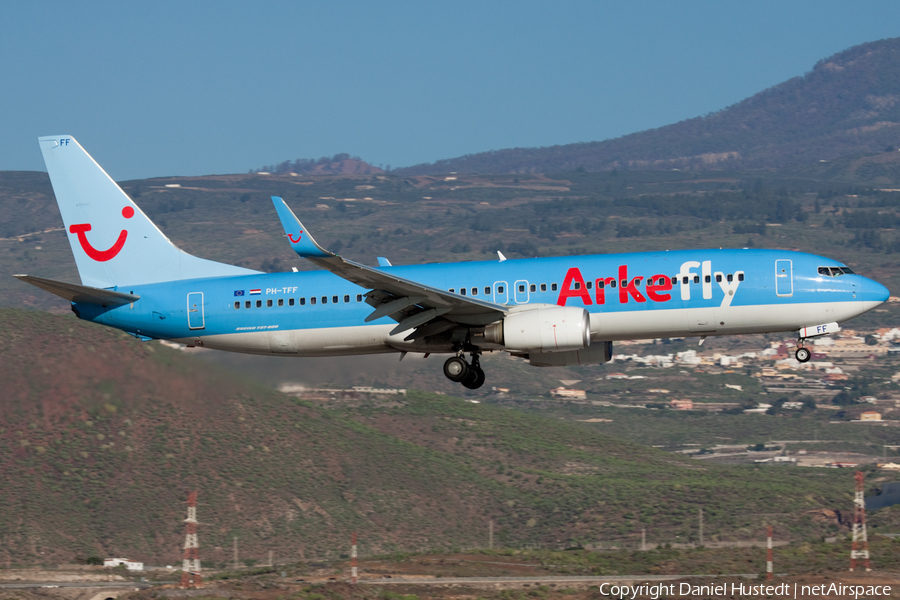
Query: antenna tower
x=860 y=547
x=190 y=569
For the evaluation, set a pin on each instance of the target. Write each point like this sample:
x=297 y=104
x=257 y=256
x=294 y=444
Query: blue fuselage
x=677 y=293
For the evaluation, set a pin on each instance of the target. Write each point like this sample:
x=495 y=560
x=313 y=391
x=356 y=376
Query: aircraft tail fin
x=113 y=241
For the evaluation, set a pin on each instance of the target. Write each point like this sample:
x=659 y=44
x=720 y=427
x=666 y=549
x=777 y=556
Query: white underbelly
x=331 y=341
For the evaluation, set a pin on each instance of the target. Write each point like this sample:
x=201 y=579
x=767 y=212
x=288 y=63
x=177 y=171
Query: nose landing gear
x=470 y=375
x=802 y=354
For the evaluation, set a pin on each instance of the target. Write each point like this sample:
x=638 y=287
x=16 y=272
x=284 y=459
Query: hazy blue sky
x=199 y=87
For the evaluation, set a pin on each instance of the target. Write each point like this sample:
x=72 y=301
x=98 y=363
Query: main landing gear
x=469 y=375
x=802 y=354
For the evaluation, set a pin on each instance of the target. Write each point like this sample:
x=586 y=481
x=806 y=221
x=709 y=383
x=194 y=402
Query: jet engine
x=547 y=329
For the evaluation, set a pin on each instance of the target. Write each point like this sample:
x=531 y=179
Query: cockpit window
x=834 y=271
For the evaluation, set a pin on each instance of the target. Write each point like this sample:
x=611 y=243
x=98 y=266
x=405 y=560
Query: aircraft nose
x=872 y=291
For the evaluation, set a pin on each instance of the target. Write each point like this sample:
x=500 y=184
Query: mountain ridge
x=849 y=103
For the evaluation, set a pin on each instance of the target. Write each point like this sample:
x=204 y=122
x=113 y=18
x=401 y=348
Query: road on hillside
x=77 y=584
x=551 y=579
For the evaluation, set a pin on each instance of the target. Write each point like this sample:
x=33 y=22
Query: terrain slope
x=101 y=437
x=848 y=104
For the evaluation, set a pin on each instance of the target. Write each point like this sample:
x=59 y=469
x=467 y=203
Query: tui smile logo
x=81 y=230
x=299 y=236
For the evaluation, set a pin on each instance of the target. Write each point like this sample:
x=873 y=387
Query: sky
x=202 y=87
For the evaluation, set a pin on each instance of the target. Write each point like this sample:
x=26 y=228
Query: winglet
x=301 y=241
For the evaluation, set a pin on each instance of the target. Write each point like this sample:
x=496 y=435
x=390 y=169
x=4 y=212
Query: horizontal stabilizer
x=80 y=293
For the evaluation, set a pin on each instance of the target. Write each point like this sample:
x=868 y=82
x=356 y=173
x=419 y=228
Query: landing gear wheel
x=456 y=368
x=474 y=378
x=802 y=355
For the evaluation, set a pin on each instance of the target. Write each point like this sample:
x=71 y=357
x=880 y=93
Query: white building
x=568 y=393
x=129 y=564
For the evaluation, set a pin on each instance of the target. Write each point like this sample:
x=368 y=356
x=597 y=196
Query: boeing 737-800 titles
x=552 y=311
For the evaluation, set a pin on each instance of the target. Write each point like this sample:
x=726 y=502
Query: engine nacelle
x=597 y=354
x=548 y=329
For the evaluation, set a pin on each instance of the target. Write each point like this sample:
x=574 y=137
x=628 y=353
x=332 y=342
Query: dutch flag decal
x=255 y=292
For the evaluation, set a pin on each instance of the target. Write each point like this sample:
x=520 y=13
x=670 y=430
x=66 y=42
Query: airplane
x=556 y=311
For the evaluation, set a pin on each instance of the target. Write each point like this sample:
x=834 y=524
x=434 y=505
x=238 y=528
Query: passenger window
x=729 y=277
x=237 y=305
x=334 y=299
x=462 y=291
x=290 y=301
x=637 y=281
x=487 y=290
x=269 y=303
x=259 y=304
x=624 y=283
x=533 y=287
x=612 y=283
x=577 y=285
x=707 y=279
x=740 y=276
x=303 y=302
x=674 y=280
x=600 y=284
x=346 y=297
x=696 y=279
x=359 y=297
x=324 y=299
x=684 y=279
x=474 y=291
x=452 y=290
x=247 y=304
x=552 y=287
x=718 y=278
x=521 y=288
x=543 y=287
x=281 y=302
x=499 y=289
x=589 y=284
x=312 y=300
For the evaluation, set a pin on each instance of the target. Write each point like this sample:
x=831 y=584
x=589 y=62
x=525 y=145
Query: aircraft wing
x=428 y=309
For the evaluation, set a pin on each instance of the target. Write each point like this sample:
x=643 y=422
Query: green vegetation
x=102 y=434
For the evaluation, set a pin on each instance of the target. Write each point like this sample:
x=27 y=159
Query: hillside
x=848 y=104
x=102 y=435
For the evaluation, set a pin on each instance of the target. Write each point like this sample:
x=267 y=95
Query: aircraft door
x=196 y=318
x=501 y=292
x=784 y=278
x=521 y=292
